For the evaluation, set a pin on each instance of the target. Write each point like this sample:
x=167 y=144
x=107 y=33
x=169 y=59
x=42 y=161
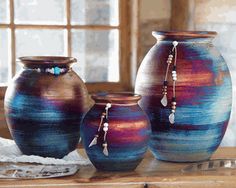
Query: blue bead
x=57 y=70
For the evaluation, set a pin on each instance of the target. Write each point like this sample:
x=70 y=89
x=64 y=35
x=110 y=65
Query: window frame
x=124 y=83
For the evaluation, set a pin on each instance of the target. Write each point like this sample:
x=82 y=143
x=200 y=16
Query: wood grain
x=13 y=39
x=182 y=14
x=4 y=132
x=124 y=28
x=151 y=173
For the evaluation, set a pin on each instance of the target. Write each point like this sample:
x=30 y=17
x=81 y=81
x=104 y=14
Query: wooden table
x=151 y=173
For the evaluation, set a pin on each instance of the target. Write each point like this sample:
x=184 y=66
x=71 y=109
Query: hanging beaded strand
x=104 y=123
x=94 y=141
x=105 y=129
x=164 y=100
x=174 y=78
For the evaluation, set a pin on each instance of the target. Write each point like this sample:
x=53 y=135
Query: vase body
x=203 y=96
x=44 y=105
x=127 y=136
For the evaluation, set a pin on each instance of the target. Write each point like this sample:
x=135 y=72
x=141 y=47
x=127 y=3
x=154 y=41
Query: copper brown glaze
x=127 y=136
x=203 y=96
x=46 y=61
x=44 y=110
x=118 y=97
x=182 y=35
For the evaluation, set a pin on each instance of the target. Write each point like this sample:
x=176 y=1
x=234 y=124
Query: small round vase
x=44 y=105
x=122 y=145
x=189 y=126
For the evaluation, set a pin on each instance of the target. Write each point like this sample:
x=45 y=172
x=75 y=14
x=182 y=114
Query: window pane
x=4 y=55
x=97 y=12
x=97 y=53
x=4 y=11
x=40 y=11
x=50 y=42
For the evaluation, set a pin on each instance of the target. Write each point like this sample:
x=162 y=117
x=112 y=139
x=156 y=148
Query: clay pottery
x=203 y=95
x=44 y=105
x=127 y=132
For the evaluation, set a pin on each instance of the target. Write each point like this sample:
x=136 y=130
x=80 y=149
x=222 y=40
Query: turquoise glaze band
x=53 y=70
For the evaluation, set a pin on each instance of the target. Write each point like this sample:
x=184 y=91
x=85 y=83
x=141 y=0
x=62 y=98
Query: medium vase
x=115 y=132
x=187 y=93
x=44 y=105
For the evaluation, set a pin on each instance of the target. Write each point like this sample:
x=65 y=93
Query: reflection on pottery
x=186 y=92
x=44 y=105
x=115 y=132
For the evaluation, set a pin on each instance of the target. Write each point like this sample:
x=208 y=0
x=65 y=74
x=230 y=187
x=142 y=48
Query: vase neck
x=43 y=62
x=185 y=36
x=119 y=98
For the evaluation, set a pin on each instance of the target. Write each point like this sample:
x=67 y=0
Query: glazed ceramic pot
x=115 y=132
x=190 y=123
x=44 y=105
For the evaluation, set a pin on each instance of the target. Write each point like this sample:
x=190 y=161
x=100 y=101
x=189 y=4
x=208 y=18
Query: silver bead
x=50 y=70
x=173 y=103
x=175 y=43
x=62 y=70
x=104 y=145
x=105 y=129
x=105 y=124
x=108 y=105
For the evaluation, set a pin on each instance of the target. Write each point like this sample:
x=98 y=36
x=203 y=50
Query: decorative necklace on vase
x=164 y=101
x=103 y=123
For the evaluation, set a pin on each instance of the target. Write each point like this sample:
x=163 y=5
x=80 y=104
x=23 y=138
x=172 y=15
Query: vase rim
x=184 y=34
x=40 y=60
x=116 y=97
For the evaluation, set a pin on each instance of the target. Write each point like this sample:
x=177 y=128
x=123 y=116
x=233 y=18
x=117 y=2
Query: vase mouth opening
x=117 y=97
x=184 y=35
x=47 y=61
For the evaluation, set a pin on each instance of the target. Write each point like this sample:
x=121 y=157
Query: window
x=90 y=30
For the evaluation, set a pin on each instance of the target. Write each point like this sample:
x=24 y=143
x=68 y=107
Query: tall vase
x=44 y=105
x=187 y=93
x=115 y=132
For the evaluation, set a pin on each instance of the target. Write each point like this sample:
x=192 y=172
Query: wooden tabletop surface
x=151 y=173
